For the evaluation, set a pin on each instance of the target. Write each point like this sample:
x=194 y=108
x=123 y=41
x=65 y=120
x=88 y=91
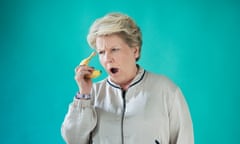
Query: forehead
x=109 y=41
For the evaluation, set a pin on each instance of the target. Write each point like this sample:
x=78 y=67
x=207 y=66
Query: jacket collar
x=138 y=78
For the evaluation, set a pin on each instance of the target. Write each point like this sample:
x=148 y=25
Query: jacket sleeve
x=79 y=121
x=181 y=127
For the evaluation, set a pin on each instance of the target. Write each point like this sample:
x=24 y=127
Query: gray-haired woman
x=130 y=106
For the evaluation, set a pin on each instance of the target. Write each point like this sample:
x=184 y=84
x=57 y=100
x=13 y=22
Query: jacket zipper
x=123 y=114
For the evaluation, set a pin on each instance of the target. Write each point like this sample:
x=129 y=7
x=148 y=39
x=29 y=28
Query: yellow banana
x=85 y=61
x=94 y=74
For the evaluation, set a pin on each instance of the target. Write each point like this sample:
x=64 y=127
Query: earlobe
x=136 y=52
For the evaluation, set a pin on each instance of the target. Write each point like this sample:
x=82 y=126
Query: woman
x=130 y=106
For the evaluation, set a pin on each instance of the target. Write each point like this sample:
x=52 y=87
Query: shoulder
x=164 y=87
x=161 y=81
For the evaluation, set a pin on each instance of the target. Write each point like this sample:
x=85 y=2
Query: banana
x=85 y=61
x=94 y=74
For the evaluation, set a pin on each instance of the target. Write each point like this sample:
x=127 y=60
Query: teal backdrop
x=194 y=43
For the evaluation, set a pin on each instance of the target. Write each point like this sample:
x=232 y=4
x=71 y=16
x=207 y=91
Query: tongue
x=114 y=70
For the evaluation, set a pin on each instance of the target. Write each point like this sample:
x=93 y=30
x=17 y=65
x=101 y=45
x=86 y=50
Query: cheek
x=130 y=56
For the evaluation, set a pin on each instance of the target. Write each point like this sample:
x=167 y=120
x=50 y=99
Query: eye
x=115 y=49
x=101 y=52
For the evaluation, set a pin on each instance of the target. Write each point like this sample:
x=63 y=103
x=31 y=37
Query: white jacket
x=152 y=111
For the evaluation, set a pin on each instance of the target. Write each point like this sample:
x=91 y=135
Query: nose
x=108 y=57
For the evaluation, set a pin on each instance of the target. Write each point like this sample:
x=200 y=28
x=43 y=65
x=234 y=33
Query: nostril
x=109 y=60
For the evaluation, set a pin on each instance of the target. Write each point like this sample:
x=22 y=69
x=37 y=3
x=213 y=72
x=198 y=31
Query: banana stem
x=91 y=56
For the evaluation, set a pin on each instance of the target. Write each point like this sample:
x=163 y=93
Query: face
x=118 y=59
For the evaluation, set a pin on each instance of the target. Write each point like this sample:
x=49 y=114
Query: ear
x=136 y=51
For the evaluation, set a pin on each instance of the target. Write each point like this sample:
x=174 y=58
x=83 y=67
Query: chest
x=136 y=116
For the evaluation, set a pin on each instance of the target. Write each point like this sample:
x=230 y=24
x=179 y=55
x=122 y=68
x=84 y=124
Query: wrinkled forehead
x=109 y=41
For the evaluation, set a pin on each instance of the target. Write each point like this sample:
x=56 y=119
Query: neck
x=126 y=85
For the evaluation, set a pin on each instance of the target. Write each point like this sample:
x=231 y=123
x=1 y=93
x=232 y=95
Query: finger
x=83 y=67
x=82 y=73
x=78 y=67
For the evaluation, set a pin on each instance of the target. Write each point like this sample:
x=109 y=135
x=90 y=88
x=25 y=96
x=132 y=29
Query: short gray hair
x=116 y=23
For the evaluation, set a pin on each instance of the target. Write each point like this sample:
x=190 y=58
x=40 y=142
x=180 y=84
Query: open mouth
x=114 y=70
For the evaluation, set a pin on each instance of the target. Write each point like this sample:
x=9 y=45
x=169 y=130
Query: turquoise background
x=194 y=43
